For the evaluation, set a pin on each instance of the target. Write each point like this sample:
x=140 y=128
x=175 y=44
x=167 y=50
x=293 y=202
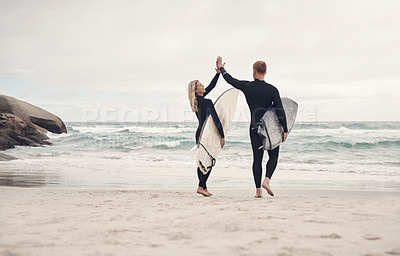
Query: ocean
x=317 y=155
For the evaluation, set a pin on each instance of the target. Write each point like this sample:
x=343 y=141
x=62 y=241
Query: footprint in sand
x=372 y=237
x=331 y=236
x=178 y=236
x=154 y=245
x=152 y=196
x=395 y=251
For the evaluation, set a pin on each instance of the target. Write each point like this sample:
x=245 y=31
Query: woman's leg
x=202 y=178
x=202 y=189
x=205 y=182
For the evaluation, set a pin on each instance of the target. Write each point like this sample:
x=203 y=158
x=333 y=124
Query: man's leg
x=272 y=162
x=257 y=160
x=271 y=166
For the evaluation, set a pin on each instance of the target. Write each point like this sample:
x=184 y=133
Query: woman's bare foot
x=266 y=186
x=201 y=191
x=208 y=192
x=258 y=193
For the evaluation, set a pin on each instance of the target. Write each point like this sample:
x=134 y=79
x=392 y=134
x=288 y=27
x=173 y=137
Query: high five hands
x=219 y=64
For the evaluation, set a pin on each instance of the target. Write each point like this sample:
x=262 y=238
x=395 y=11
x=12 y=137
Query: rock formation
x=24 y=124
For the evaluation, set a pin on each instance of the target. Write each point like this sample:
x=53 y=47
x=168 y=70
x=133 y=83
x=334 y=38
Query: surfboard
x=272 y=135
x=210 y=141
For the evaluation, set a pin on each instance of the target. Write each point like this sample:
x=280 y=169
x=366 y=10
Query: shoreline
x=187 y=190
x=56 y=221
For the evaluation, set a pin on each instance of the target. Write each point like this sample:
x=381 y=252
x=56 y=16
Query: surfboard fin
x=203 y=168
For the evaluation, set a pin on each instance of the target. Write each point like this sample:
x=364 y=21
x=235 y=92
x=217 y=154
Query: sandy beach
x=232 y=222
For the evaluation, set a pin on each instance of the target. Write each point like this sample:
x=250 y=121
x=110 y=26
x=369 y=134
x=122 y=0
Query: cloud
x=145 y=53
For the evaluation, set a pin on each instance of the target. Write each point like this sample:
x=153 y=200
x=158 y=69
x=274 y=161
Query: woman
x=203 y=108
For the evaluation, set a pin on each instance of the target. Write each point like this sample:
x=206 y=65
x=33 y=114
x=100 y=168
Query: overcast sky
x=130 y=60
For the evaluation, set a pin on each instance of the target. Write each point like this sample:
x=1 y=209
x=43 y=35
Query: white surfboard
x=210 y=140
x=273 y=134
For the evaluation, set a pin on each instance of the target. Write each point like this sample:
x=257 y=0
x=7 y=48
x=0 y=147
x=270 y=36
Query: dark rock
x=25 y=141
x=49 y=125
x=6 y=142
x=25 y=125
x=14 y=131
x=33 y=114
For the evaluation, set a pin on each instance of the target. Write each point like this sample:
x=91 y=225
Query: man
x=259 y=96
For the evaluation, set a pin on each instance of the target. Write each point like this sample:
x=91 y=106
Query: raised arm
x=211 y=85
x=238 y=84
x=280 y=111
x=241 y=85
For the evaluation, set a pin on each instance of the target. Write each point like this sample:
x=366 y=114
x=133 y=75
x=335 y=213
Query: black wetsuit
x=205 y=107
x=259 y=96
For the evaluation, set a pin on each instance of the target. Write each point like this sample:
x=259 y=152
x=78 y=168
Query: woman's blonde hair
x=192 y=95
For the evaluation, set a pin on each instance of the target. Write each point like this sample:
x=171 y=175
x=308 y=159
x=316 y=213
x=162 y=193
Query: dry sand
x=232 y=222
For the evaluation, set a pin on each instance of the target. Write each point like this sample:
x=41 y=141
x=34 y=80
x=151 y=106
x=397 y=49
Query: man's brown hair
x=260 y=67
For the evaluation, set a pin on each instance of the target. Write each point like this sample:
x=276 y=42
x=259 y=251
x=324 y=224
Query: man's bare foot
x=266 y=186
x=258 y=193
x=201 y=191
x=208 y=192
